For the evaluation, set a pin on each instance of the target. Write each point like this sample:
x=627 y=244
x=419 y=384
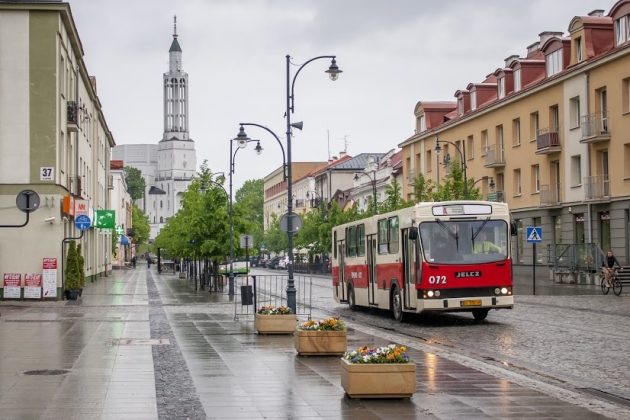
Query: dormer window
x=578 y=50
x=554 y=63
x=501 y=87
x=473 y=100
x=422 y=126
x=460 y=106
x=622 y=29
x=517 y=80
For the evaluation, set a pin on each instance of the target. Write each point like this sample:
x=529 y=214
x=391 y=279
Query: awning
x=124 y=241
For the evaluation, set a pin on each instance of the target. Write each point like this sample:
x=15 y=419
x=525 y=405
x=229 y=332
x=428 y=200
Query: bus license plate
x=474 y=302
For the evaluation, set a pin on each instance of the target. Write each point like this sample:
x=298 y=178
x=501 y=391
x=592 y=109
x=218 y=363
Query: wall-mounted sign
x=12 y=285
x=46 y=173
x=82 y=207
x=32 y=286
x=105 y=219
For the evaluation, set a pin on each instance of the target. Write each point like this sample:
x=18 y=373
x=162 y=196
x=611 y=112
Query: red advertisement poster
x=32 y=286
x=12 y=284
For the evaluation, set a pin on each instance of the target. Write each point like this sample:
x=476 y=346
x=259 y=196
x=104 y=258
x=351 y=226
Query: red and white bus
x=450 y=256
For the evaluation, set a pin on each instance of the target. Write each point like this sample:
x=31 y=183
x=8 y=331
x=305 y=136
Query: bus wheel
x=480 y=314
x=351 y=302
x=397 y=305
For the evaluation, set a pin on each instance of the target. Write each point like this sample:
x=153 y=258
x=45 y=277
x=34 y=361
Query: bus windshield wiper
x=451 y=234
x=478 y=231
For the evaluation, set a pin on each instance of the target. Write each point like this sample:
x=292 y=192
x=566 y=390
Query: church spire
x=175 y=93
x=175 y=45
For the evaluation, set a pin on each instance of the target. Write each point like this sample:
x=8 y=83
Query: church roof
x=175 y=45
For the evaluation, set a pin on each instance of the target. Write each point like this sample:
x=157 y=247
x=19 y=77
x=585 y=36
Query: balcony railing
x=595 y=128
x=495 y=157
x=549 y=195
x=72 y=116
x=596 y=187
x=547 y=141
x=496 y=196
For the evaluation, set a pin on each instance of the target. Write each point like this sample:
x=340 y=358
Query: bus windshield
x=464 y=241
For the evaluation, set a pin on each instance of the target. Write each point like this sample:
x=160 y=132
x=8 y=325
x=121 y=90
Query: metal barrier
x=254 y=291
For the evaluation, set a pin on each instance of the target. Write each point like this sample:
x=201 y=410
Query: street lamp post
x=242 y=143
x=333 y=71
x=438 y=149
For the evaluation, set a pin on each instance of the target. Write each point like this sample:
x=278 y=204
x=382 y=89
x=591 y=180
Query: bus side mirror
x=513 y=229
x=413 y=233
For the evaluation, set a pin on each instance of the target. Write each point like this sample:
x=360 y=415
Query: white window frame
x=501 y=87
x=517 y=80
x=536 y=178
x=578 y=49
x=576 y=170
x=554 y=62
x=518 y=190
x=621 y=30
x=422 y=125
x=473 y=100
x=574 y=112
x=484 y=141
x=516 y=132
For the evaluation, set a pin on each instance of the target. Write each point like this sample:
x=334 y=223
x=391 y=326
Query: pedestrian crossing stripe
x=534 y=234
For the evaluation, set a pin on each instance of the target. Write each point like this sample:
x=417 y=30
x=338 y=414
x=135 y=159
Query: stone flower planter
x=378 y=380
x=320 y=343
x=276 y=324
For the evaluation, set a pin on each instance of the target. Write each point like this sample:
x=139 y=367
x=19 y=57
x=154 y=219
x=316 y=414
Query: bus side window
x=335 y=244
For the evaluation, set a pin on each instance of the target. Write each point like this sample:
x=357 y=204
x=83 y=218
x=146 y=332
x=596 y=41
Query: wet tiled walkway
x=201 y=363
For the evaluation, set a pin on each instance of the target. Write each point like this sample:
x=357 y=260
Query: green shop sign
x=106 y=219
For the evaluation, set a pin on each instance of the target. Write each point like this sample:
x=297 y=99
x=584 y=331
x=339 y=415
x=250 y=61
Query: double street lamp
x=462 y=156
x=242 y=143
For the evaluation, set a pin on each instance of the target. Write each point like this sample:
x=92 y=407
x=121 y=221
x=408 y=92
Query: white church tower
x=176 y=155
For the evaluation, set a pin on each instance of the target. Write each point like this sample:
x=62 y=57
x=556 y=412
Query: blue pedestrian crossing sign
x=83 y=222
x=534 y=234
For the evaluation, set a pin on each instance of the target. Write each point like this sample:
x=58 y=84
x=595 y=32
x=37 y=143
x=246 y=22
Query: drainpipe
x=589 y=226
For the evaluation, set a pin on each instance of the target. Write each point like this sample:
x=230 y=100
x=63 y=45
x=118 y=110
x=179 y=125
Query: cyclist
x=608 y=267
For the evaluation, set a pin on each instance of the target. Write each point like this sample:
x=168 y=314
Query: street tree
x=140 y=226
x=135 y=183
x=248 y=210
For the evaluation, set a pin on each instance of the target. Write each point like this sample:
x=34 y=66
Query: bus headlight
x=437 y=293
x=504 y=290
x=497 y=291
x=430 y=293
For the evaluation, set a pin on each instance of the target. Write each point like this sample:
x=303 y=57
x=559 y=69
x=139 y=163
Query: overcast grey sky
x=393 y=54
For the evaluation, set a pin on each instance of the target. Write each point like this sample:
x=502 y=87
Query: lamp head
x=242 y=138
x=438 y=148
x=258 y=148
x=492 y=184
x=356 y=177
x=334 y=71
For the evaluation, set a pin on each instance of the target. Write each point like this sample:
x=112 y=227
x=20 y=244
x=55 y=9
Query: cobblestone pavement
x=138 y=346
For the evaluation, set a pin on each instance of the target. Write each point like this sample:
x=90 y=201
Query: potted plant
x=275 y=320
x=378 y=372
x=73 y=276
x=81 y=262
x=326 y=337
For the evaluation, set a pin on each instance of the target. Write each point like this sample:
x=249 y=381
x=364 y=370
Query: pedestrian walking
x=148 y=261
x=134 y=259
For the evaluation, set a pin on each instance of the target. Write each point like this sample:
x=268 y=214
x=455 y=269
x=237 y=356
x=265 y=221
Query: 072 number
x=437 y=279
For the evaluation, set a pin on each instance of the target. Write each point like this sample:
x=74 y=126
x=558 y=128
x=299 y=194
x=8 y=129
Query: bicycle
x=614 y=281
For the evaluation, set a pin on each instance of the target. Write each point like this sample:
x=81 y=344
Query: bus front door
x=409 y=265
x=371 y=268
x=342 y=290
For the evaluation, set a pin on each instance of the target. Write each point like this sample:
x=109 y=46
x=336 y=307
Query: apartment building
x=548 y=133
x=54 y=140
x=123 y=205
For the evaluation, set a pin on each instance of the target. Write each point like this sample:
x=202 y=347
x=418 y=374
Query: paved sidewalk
x=144 y=346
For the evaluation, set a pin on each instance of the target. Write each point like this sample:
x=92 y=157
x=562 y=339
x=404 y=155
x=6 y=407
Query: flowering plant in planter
x=328 y=324
x=388 y=354
x=274 y=310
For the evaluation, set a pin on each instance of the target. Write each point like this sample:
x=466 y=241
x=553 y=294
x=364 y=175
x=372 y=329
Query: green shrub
x=73 y=276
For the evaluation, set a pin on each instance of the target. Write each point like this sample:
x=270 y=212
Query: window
x=557 y=229
x=473 y=100
x=335 y=244
x=517 y=80
x=578 y=49
x=554 y=119
x=621 y=30
x=554 y=63
x=460 y=106
x=533 y=126
x=388 y=235
x=516 y=132
x=517 y=182
x=422 y=126
x=351 y=242
x=470 y=148
x=574 y=112
x=626 y=160
x=428 y=163
x=576 y=170
x=484 y=142
x=535 y=179
x=361 y=240
x=501 y=87
x=625 y=96
x=499 y=133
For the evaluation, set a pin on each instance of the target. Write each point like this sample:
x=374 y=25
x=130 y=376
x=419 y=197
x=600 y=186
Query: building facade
x=122 y=204
x=547 y=133
x=54 y=140
x=168 y=167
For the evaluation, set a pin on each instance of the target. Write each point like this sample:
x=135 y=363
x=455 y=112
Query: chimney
x=510 y=59
x=544 y=36
x=532 y=48
x=597 y=13
x=342 y=154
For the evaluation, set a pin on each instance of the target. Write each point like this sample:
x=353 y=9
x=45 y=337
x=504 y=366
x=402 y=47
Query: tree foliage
x=135 y=183
x=248 y=210
x=140 y=223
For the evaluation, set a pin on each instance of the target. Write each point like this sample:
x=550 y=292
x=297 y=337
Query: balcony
x=547 y=141
x=495 y=157
x=597 y=187
x=72 y=116
x=550 y=195
x=595 y=128
x=496 y=196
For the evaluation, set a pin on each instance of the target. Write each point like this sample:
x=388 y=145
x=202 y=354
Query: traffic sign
x=27 y=201
x=296 y=222
x=83 y=222
x=534 y=234
x=246 y=241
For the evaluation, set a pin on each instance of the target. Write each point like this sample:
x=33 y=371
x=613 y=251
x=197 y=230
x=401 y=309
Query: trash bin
x=247 y=295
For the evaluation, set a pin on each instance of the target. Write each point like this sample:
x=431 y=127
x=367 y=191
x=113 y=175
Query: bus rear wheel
x=480 y=314
x=351 y=302
x=397 y=305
